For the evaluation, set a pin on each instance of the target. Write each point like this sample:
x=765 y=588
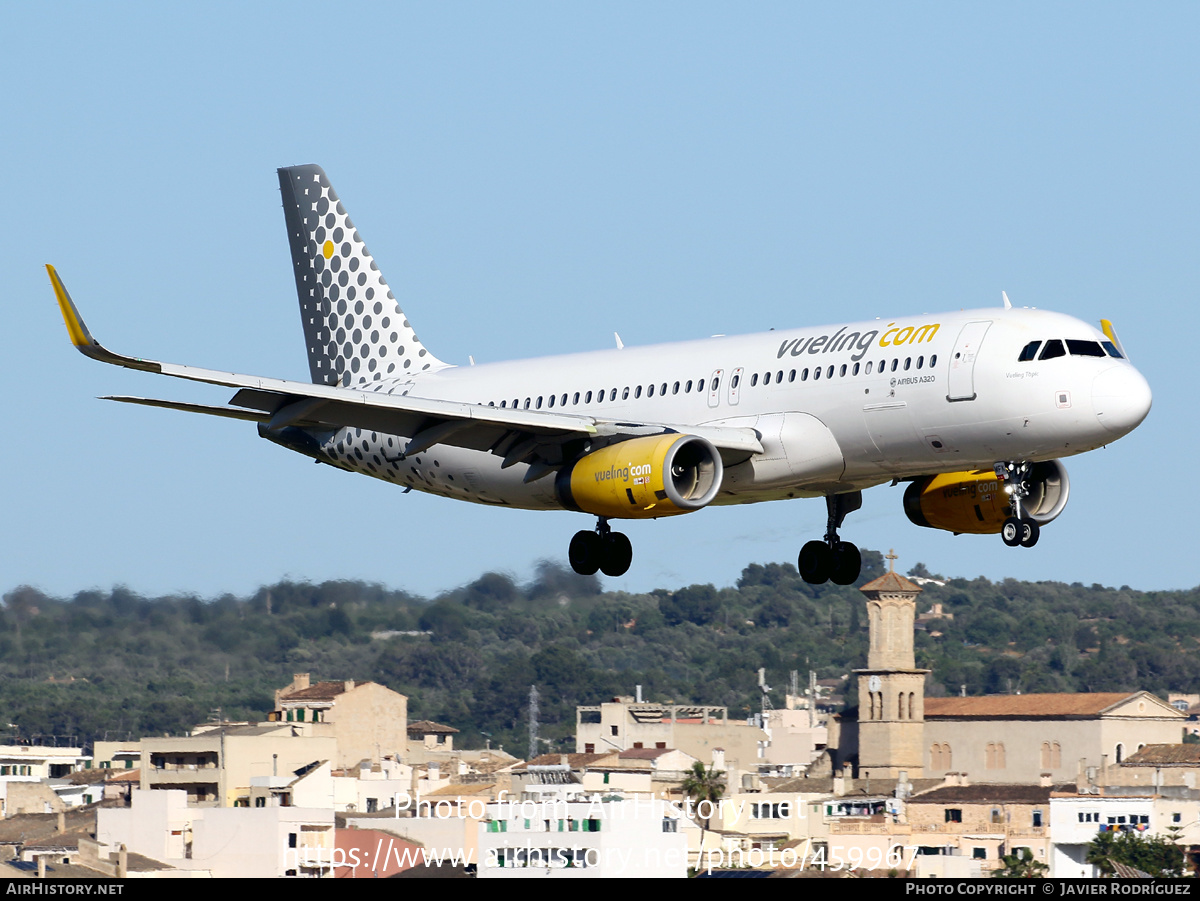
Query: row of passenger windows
x=1075 y=347
x=698 y=385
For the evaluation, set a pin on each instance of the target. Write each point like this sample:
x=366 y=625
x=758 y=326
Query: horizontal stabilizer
x=227 y=412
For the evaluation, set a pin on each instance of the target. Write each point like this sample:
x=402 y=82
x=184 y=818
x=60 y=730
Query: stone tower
x=891 y=690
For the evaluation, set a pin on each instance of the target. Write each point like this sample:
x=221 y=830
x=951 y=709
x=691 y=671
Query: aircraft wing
x=518 y=435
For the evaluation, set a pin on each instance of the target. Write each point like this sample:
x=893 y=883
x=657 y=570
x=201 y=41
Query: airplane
x=974 y=409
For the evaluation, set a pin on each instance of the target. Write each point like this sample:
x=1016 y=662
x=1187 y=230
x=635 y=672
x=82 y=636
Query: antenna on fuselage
x=1007 y=302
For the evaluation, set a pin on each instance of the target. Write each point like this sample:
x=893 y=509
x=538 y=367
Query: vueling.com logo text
x=860 y=341
x=622 y=473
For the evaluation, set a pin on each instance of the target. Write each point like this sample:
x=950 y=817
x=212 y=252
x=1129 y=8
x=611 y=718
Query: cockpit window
x=1084 y=348
x=1029 y=351
x=1111 y=350
x=1054 y=348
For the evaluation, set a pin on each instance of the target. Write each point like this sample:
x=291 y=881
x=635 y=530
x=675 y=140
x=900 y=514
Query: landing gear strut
x=1018 y=529
x=832 y=559
x=604 y=550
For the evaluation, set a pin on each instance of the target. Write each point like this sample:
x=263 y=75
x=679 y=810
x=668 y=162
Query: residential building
x=368 y=721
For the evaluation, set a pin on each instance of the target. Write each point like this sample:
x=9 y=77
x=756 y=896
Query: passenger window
x=1084 y=348
x=650 y=391
x=600 y=396
x=779 y=377
x=663 y=390
x=829 y=374
x=816 y=373
x=624 y=394
x=1054 y=348
x=753 y=380
x=675 y=390
x=551 y=404
x=587 y=398
x=737 y=378
x=575 y=400
x=804 y=375
x=502 y=403
x=700 y=385
x=637 y=392
x=869 y=365
x=1029 y=351
x=933 y=361
x=1111 y=350
x=563 y=402
x=612 y=395
x=792 y=376
x=856 y=369
x=920 y=362
x=895 y=363
x=527 y=402
x=687 y=388
x=907 y=363
x=539 y=402
x=842 y=371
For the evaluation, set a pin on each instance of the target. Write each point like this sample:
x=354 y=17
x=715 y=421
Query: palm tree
x=1021 y=866
x=704 y=784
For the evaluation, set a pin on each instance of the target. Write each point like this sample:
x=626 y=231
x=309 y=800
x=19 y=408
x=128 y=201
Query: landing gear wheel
x=616 y=554
x=815 y=562
x=585 y=553
x=847 y=564
x=1031 y=533
x=1012 y=531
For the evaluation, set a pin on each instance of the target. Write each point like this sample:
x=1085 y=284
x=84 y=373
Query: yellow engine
x=978 y=502
x=643 y=478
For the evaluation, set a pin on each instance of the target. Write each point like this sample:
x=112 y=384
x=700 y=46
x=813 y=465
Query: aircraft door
x=735 y=381
x=714 y=388
x=961 y=383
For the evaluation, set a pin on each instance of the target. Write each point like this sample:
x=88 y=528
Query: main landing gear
x=1018 y=529
x=832 y=560
x=604 y=550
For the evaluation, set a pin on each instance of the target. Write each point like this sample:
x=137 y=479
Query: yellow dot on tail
x=327 y=249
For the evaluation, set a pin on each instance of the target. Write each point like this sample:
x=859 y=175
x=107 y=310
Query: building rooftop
x=428 y=727
x=892 y=581
x=1032 y=706
x=1165 y=755
x=322 y=691
x=985 y=793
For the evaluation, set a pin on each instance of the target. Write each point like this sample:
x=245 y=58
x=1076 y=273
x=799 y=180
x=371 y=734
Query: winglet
x=1007 y=302
x=82 y=338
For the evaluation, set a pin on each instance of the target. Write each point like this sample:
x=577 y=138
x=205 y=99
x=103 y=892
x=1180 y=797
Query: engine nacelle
x=977 y=501
x=643 y=478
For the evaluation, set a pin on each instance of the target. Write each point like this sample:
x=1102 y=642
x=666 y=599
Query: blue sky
x=533 y=177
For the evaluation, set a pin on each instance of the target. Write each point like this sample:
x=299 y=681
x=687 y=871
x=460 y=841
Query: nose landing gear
x=605 y=550
x=832 y=560
x=1018 y=529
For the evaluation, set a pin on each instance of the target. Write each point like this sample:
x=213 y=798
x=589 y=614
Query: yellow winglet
x=80 y=336
x=1107 y=328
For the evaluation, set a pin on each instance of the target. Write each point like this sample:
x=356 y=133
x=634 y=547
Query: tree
x=704 y=784
x=1021 y=866
x=1158 y=856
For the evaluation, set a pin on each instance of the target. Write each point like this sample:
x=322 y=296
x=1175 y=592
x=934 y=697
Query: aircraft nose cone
x=1121 y=398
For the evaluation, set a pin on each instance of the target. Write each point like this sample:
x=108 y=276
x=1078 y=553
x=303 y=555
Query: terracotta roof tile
x=1168 y=755
x=321 y=691
x=890 y=581
x=424 y=727
x=1025 y=706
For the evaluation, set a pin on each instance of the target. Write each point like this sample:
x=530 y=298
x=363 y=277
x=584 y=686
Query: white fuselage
x=837 y=408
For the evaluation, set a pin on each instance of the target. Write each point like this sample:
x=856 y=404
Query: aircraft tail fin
x=355 y=331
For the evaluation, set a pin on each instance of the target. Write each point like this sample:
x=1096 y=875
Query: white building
x=575 y=839
x=256 y=842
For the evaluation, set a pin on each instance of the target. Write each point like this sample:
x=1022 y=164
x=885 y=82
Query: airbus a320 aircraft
x=973 y=408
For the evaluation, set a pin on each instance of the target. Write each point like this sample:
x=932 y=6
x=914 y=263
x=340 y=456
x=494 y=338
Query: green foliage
x=119 y=664
x=1159 y=857
x=1021 y=866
